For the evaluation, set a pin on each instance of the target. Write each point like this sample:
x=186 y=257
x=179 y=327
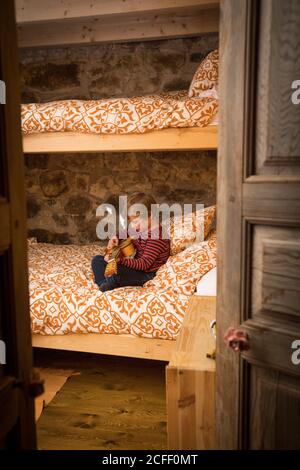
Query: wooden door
x=258 y=392
x=17 y=428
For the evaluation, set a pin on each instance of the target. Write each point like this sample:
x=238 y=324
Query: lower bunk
x=66 y=305
x=163 y=320
x=190 y=373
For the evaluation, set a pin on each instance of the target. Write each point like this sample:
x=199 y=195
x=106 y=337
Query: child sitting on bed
x=151 y=251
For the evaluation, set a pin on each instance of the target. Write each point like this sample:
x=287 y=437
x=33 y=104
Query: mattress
x=64 y=298
x=119 y=115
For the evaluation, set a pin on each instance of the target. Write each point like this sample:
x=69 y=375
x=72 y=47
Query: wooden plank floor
x=115 y=403
x=54 y=379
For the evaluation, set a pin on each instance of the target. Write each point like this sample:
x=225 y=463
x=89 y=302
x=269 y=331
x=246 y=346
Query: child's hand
x=106 y=258
x=114 y=241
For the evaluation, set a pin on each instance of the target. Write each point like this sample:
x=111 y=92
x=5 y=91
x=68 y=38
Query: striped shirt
x=152 y=251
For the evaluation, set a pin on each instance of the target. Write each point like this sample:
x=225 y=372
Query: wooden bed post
x=190 y=380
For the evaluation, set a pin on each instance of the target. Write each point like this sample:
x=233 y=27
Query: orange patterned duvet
x=119 y=115
x=64 y=298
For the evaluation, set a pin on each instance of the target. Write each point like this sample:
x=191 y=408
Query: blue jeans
x=125 y=277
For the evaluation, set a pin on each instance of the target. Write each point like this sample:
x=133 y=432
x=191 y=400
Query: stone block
x=77 y=205
x=50 y=76
x=53 y=183
x=33 y=208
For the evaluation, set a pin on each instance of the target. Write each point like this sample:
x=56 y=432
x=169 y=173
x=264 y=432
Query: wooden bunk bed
x=193 y=138
x=127 y=21
x=120 y=22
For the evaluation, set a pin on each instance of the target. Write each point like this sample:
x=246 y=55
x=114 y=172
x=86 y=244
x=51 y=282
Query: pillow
x=182 y=272
x=194 y=227
x=207 y=286
x=206 y=76
x=31 y=240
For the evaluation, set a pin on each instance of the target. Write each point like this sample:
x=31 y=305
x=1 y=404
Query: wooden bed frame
x=186 y=138
x=121 y=345
x=116 y=345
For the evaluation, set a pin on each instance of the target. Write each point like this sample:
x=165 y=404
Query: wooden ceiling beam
x=118 y=28
x=32 y=11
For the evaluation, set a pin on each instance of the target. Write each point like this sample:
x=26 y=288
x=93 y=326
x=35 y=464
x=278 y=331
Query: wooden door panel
x=268 y=426
x=259 y=224
x=277 y=202
x=281 y=277
x=275 y=274
x=271 y=345
x=270 y=308
x=277 y=129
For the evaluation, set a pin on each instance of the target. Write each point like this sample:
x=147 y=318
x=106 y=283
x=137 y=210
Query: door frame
x=19 y=433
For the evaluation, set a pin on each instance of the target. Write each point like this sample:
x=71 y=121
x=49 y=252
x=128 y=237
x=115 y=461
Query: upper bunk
x=169 y=121
x=63 y=22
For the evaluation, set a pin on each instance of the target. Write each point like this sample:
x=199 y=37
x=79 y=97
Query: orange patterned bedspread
x=64 y=298
x=119 y=115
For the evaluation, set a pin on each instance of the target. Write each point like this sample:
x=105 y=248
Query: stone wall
x=64 y=189
x=111 y=70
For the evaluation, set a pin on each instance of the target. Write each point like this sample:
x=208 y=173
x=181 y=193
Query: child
x=152 y=251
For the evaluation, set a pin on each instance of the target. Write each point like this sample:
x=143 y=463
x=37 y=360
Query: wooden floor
x=114 y=403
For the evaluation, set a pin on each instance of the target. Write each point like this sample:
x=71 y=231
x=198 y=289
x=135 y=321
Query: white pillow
x=211 y=93
x=214 y=121
x=207 y=286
